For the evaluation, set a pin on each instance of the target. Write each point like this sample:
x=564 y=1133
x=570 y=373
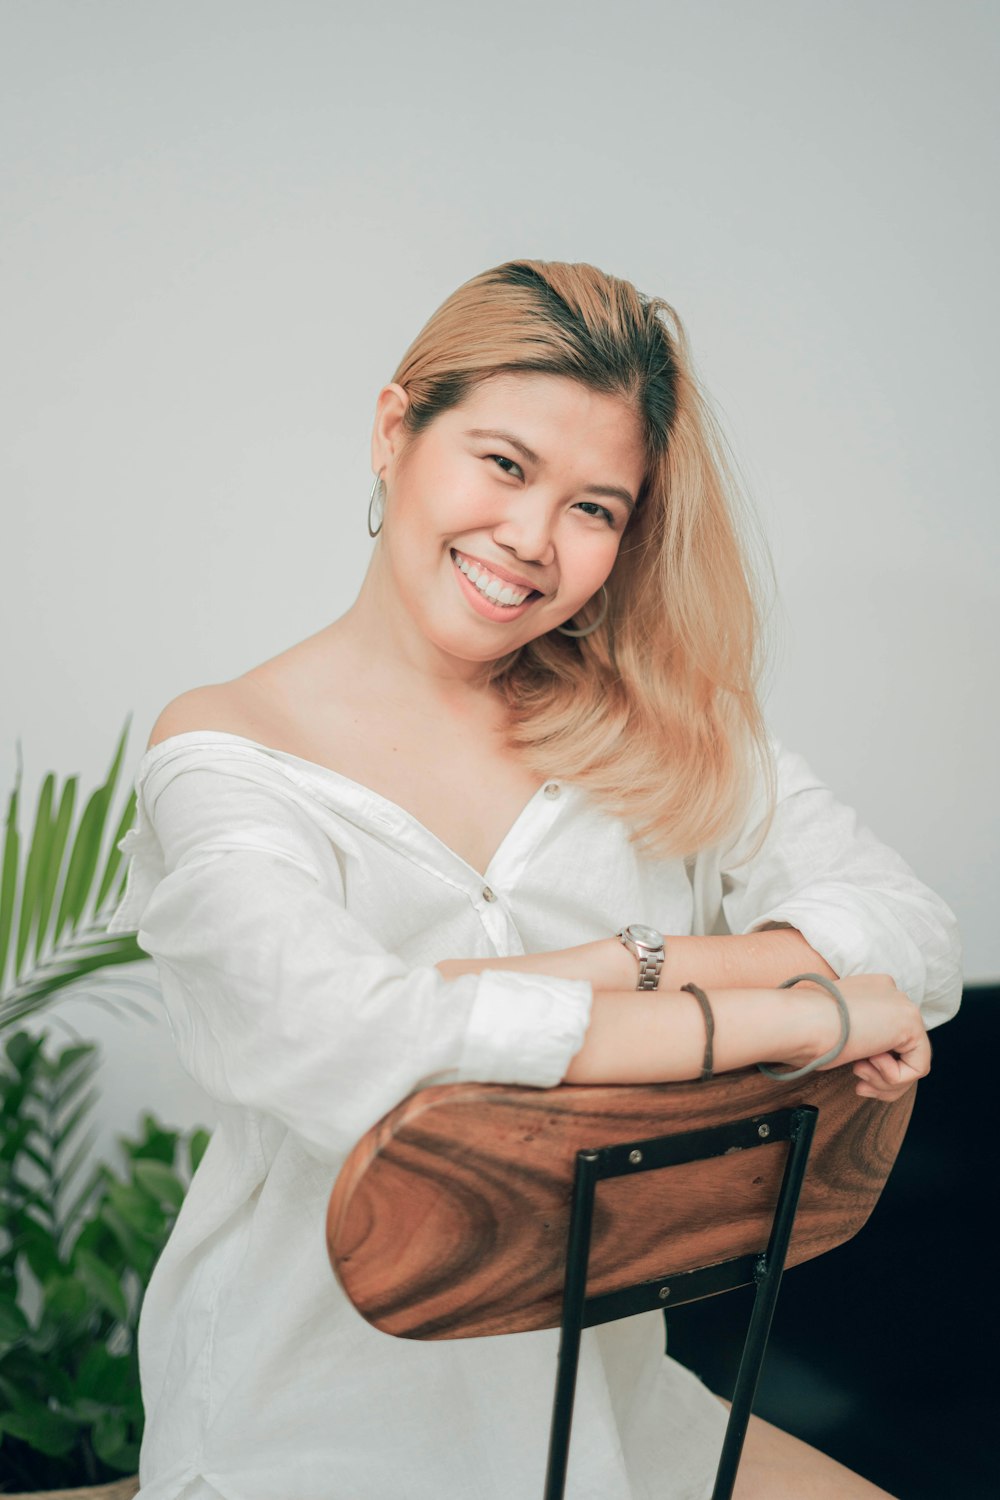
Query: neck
x=386 y=646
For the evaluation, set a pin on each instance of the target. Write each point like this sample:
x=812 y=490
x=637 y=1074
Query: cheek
x=469 y=495
x=450 y=499
x=593 y=558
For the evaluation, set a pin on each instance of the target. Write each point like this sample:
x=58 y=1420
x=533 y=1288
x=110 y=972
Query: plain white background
x=222 y=224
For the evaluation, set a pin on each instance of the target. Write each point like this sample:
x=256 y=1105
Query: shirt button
x=488 y=895
x=552 y=789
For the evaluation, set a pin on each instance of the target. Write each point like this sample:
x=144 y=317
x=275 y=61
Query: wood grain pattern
x=450 y=1218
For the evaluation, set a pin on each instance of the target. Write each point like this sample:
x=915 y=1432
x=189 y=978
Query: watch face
x=648 y=936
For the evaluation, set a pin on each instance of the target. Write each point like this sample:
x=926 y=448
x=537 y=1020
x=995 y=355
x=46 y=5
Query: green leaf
x=78 y=955
x=57 y=856
x=108 y=1378
x=136 y=1208
x=25 y=1149
x=87 y=846
x=43 y=1428
x=13 y=1323
x=74 y=1119
x=9 y=872
x=125 y=822
x=110 y=1437
x=197 y=1146
x=23 y=1051
x=156 y=1141
x=138 y=1252
x=86 y=1411
x=71 y=1213
x=39 y=1250
x=79 y=1057
x=161 y=1182
x=82 y=862
x=103 y=1286
x=34 y=873
x=66 y=1299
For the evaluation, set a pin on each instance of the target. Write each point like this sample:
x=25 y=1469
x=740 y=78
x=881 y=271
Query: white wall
x=224 y=222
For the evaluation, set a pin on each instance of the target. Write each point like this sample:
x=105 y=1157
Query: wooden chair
x=476 y=1209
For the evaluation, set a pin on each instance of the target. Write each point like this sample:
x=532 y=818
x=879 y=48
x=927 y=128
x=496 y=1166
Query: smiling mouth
x=496 y=590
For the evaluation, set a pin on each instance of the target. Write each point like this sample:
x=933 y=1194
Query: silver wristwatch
x=647 y=946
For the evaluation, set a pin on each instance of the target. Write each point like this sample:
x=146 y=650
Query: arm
x=755 y=960
x=820 y=895
x=652 y=1037
x=279 y=999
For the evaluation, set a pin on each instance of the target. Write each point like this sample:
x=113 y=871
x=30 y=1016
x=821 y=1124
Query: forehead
x=553 y=413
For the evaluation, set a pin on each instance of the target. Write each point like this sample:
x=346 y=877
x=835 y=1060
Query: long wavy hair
x=657 y=712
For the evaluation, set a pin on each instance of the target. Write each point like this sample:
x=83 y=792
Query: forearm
x=752 y=960
x=659 y=1038
x=647 y=1038
x=755 y=960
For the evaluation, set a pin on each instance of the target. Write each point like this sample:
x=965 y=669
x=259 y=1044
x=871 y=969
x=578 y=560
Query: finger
x=884 y=1095
x=915 y=1060
x=901 y=1068
x=884 y=1077
x=885 y=1067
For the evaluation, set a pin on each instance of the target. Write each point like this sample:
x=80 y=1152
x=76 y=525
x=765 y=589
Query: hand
x=888 y=1043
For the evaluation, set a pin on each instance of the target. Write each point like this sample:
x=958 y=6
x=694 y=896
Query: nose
x=526 y=531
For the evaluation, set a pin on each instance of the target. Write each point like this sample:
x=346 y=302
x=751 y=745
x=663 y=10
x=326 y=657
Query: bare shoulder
x=235 y=707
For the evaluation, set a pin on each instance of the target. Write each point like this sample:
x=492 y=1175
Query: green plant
x=76 y=1251
x=54 y=906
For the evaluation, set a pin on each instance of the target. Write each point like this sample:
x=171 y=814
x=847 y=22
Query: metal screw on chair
x=635 y=1157
x=763 y=1131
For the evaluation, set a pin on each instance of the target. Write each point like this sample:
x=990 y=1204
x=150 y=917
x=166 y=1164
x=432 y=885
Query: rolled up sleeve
x=856 y=901
x=281 y=1001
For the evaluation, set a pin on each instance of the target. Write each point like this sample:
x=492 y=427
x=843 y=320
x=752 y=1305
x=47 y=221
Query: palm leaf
x=39 y=862
x=115 y=855
x=57 y=849
x=87 y=847
x=50 y=909
x=8 y=877
x=77 y=956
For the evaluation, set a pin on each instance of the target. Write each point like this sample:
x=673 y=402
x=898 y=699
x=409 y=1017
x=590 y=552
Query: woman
x=409 y=850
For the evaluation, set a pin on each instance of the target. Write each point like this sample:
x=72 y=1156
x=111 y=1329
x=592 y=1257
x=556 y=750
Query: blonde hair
x=656 y=713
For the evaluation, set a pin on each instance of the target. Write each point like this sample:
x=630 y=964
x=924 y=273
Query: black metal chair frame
x=794 y=1126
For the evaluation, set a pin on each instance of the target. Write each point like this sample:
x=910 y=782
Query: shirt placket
x=506 y=867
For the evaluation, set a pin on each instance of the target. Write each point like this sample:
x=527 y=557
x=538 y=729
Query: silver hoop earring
x=380 y=503
x=589 y=629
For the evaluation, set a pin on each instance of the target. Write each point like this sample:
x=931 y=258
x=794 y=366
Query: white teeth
x=493 y=588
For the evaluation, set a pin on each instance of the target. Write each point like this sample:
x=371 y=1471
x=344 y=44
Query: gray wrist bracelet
x=836 y=1049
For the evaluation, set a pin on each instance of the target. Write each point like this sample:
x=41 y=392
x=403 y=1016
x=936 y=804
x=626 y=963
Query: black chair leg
x=768 y=1278
x=796 y=1127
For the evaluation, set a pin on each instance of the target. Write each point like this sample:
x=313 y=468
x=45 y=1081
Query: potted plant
x=76 y=1246
x=76 y=1252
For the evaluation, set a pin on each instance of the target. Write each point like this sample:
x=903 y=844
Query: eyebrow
x=588 y=489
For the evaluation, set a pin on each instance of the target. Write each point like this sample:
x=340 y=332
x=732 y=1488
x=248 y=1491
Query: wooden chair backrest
x=449 y=1219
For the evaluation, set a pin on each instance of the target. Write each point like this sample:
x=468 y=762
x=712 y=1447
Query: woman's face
x=489 y=541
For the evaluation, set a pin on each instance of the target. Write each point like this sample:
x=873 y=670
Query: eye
x=501 y=460
x=591 y=508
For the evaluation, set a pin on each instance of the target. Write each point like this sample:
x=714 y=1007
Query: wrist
x=810 y=1023
x=616 y=967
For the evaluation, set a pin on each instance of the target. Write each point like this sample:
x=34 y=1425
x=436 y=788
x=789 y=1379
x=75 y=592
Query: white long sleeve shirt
x=295 y=918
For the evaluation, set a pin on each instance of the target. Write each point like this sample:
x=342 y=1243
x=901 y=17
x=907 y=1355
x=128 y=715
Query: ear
x=388 y=439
